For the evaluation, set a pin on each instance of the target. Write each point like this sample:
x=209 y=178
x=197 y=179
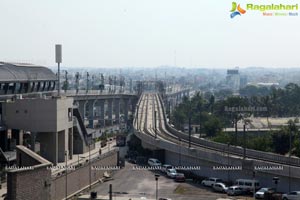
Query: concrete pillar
x=133 y=105
x=102 y=113
x=32 y=141
x=126 y=101
x=21 y=133
x=110 y=111
x=81 y=108
x=49 y=146
x=91 y=113
x=70 y=143
x=62 y=135
x=117 y=110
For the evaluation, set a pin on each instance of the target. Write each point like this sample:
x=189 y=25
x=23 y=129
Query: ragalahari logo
x=236 y=10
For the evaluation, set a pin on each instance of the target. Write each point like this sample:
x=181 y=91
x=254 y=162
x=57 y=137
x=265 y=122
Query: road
x=141 y=183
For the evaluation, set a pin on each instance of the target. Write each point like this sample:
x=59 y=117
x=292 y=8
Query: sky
x=147 y=33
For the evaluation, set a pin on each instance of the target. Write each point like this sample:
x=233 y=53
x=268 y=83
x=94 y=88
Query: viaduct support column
x=102 y=113
x=91 y=113
x=110 y=111
x=125 y=101
x=117 y=110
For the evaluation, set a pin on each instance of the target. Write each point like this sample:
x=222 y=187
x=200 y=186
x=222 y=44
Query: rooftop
x=23 y=72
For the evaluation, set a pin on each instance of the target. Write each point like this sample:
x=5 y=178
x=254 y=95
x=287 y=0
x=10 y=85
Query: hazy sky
x=147 y=33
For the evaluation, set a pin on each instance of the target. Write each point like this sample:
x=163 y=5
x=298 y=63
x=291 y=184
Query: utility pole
x=244 y=141
x=77 y=82
x=155 y=124
x=290 y=149
x=190 y=110
x=228 y=144
x=66 y=81
x=110 y=192
x=87 y=82
x=90 y=172
x=137 y=118
x=156 y=179
x=66 y=166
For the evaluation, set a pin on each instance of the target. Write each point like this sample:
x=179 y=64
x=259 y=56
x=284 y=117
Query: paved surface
x=3 y=190
x=131 y=183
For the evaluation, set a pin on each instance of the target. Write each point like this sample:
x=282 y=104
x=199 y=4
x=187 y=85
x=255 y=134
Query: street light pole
x=290 y=148
x=244 y=141
x=90 y=173
x=156 y=179
x=180 y=152
x=66 y=166
x=228 y=144
x=137 y=119
x=189 y=130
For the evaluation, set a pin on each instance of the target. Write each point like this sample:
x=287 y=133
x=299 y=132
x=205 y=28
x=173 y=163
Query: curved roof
x=16 y=72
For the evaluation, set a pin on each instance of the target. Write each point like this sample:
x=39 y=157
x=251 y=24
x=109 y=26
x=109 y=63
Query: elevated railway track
x=145 y=123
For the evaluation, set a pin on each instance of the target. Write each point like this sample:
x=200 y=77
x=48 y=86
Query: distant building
x=243 y=81
x=233 y=79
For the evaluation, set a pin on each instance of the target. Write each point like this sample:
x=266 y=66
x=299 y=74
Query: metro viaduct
x=171 y=147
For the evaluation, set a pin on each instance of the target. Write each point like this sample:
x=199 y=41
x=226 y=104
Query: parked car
x=248 y=185
x=234 y=190
x=171 y=173
x=260 y=194
x=179 y=177
x=210 y=181
x=154 y=162
x=220 y=187
x=294 y=195
x=165 y=167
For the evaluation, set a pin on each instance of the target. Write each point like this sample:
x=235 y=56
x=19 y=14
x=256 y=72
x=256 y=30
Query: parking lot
x=136 y=183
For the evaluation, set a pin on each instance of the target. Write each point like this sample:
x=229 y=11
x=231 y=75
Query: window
x=248 y=184
x=240 y=183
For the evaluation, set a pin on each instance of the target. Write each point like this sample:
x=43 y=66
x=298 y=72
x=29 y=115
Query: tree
x=212 y=126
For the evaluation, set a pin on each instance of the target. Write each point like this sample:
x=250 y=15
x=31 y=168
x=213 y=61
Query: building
x=233 y=79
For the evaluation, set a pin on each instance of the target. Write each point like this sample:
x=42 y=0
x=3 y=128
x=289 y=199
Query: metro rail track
x=163 y=133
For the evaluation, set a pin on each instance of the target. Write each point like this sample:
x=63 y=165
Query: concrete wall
x=29 y=185
x=79 y=178
x=38 y=182
x=207 y=159
x=30 y=179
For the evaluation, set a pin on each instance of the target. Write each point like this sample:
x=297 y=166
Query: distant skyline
x=143 y=33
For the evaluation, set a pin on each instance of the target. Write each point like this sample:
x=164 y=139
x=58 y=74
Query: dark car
x=179 y=177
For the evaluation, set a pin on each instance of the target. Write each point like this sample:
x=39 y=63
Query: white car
x=234 y=190
x=294 y=195
x=165 y=167
x=220 y=187
x=171 y=173
x=154 y=162
x=260 y=194
x=210 y=181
